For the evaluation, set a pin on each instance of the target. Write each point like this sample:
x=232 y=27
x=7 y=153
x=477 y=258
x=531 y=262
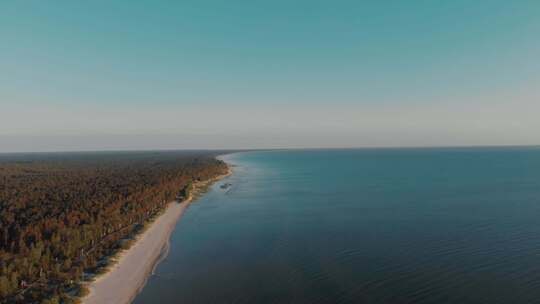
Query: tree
x=5 y=286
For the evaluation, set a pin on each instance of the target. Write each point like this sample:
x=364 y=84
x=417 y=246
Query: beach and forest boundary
x=65 y=215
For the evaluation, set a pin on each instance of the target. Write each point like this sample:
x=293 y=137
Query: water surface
x=392 y=226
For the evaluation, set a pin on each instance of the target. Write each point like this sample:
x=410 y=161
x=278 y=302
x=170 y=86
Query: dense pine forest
x=61 y=215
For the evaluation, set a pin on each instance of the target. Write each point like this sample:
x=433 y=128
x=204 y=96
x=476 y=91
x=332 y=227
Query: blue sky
x=91 y=75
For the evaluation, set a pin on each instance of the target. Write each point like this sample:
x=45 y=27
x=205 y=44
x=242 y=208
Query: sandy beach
x=128 y=275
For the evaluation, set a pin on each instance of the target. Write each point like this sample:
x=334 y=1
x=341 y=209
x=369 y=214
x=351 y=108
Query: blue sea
x=452 y=225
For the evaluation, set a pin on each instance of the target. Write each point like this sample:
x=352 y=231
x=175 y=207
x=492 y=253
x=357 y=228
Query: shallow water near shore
x=456 y=225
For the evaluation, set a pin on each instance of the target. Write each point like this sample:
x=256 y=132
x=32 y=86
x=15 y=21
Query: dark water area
x=456 y=225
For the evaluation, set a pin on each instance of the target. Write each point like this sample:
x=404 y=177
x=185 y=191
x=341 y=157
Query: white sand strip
x=122 y=282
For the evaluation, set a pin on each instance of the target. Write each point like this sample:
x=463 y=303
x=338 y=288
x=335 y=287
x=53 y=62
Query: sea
x=415 y=225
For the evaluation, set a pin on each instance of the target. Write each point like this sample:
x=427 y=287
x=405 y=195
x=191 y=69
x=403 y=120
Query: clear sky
x=93 y=75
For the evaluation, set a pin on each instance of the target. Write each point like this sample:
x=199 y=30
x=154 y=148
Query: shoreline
x=132 y=267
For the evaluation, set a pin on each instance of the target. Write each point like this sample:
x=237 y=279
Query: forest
x=63 y=214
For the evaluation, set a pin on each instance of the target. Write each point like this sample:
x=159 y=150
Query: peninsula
x=68 y=220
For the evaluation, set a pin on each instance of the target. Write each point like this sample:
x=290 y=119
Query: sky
x=198 y=74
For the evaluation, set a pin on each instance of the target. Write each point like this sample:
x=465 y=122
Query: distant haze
x=96 y=75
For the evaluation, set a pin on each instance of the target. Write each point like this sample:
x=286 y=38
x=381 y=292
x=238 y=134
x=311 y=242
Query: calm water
x=361 y=226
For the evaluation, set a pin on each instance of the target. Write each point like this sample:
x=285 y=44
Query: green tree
x=5 y=286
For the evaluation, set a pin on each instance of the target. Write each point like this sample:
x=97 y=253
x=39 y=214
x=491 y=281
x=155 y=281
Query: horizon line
x=275 y=149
